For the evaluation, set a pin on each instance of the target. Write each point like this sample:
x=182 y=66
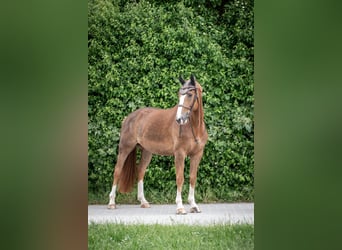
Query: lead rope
x=192 y=130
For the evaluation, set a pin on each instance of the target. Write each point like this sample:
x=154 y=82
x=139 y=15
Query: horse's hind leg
x=145 y=159
x=123 y=153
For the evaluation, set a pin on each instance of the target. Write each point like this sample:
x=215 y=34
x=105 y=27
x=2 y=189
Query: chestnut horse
x=179 y=131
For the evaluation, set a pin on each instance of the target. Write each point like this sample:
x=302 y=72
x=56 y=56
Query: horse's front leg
x=194 y=163
x=179 y=163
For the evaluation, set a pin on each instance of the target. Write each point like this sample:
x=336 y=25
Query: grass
x=119 y=236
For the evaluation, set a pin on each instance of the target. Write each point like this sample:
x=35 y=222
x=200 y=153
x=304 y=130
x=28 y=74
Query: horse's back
x=147 y=118
x=143 y=115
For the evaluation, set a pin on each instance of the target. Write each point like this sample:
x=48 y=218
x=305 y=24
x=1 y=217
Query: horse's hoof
x=111 y=206
x=195 y=210
x=181 y=211
x=145 y=205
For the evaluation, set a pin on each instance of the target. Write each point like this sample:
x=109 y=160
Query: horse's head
x=188 y=96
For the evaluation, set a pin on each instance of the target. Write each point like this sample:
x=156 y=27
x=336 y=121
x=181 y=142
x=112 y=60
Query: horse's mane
x=200 y=104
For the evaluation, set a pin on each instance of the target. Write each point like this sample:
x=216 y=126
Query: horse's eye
x=189 y=95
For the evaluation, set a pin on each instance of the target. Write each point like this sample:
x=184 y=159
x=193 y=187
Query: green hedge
x=136 y=53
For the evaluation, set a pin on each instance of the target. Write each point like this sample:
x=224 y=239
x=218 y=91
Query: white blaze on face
x=179 y=110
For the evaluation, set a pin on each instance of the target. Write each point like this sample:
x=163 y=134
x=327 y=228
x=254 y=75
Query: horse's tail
x=128 y=173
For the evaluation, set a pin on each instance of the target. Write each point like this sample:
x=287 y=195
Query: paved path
x=219 y=213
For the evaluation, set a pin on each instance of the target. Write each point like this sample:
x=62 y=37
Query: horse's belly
x=157 y=147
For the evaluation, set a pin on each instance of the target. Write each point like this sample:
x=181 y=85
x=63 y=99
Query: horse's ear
x=192 y=80
x=181 y=80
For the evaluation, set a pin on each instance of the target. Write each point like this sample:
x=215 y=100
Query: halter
x=183 y=91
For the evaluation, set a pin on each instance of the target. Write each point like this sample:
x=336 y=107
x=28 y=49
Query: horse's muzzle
x=183 y=119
